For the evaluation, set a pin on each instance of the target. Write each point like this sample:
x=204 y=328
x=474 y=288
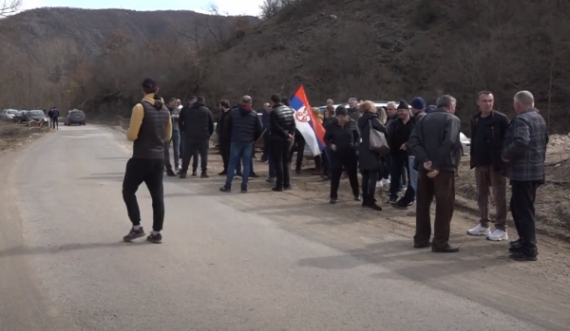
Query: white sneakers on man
x=479 y=230
x=498 y=235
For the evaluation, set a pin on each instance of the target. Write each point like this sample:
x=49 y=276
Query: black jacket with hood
x=196 y=122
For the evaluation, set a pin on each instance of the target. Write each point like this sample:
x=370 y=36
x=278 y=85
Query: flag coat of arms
x=307 y=123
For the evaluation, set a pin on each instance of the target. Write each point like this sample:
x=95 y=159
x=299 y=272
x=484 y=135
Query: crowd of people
x=414 y=148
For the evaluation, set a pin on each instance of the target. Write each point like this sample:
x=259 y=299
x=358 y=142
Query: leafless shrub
x=270 y=8
x=8 y=7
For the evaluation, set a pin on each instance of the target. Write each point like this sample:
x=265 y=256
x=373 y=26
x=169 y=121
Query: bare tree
x=270 y=8
x=8 y=7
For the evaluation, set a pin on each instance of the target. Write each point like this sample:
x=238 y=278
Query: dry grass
x=13 y=135
x=553 y=198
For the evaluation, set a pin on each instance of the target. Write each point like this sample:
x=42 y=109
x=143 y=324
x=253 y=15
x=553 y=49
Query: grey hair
x=352 y=99
x=246 y=99
x=445 y=101
x=525 y=98
x=392 y=104
x=331 y=100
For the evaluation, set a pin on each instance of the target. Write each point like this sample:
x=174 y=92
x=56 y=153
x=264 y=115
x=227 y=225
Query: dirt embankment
x=553 y=198
x=13 y=135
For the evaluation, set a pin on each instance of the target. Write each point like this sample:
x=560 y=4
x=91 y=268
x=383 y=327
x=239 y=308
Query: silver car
x=8 y=114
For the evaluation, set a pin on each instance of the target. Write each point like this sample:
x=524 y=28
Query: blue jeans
x=413 y=174
x=240 y=152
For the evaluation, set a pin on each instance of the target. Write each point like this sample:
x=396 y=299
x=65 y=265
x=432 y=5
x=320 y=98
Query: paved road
x=237 y=262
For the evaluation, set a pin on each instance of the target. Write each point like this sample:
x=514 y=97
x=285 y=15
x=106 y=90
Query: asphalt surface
x=228 y=262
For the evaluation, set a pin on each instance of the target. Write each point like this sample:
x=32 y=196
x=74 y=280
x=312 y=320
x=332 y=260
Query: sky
x=232 y=7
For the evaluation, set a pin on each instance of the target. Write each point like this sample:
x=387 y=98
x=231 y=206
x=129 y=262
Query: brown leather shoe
x=446 y=249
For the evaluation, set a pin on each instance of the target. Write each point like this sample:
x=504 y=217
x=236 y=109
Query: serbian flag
x=307 y=123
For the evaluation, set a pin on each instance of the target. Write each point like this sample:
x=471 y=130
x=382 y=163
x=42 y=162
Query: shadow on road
x=23 y=250
x=414 y=264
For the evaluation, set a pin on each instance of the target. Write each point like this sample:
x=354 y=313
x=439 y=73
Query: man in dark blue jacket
x=245 y=129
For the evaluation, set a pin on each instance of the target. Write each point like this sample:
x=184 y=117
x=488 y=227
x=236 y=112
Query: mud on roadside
x=13 y=135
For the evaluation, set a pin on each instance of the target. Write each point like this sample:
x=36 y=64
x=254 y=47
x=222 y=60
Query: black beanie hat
x=340 y=110
x=403 y=105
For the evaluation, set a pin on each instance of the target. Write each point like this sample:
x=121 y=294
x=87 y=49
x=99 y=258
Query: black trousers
x=369 y=179
x=280 y=152
x=523 y=211
x=151 y=172
x=349 y=161
x=225 y=147
x=193 y=148
x=54 y=123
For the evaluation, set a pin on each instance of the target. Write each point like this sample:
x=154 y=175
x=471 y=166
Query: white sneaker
x=498 y=235
x=479 y=230
x=379 y=184
x=386 y=181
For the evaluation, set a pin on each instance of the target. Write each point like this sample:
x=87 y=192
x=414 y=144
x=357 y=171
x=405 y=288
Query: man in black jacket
x=245 y=128
x=189 y=102
x=282 y=135
x=224 y=137
x=488 y=130
x=342 y=137
x=399 y=132
x=197 y=124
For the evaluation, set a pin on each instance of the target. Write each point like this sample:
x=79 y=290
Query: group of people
x=421 y=141
x=53 y=115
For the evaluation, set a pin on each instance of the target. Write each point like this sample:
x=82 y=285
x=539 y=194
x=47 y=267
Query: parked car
x=21 y=116
x=37 y=115
x=465 y=143
x=8 y=114
x=75 y=116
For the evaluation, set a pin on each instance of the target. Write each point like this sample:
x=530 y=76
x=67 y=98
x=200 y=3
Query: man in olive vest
x=150 y=127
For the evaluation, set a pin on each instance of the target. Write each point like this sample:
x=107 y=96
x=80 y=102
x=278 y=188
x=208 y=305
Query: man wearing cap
x=399 y=132
x=149 y=129
x=419 y=111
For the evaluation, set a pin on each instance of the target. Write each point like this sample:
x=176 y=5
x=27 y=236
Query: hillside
x=95 y=59
x=388 y=49
x=372 y=49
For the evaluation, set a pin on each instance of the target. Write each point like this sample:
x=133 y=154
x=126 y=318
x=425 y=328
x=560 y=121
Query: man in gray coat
x=524 y=153
x=435 y=144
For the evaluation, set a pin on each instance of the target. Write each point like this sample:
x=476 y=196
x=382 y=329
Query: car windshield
x=76 y=112
x=11 y=111
x=37 y=113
